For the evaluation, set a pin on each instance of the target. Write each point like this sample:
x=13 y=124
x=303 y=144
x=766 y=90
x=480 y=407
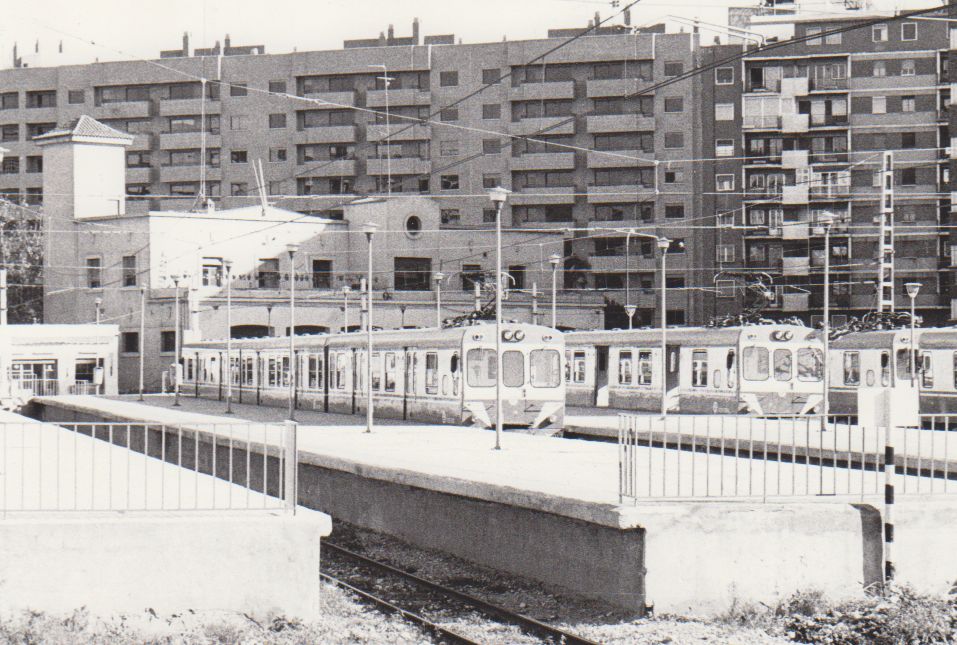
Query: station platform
x=546 y=508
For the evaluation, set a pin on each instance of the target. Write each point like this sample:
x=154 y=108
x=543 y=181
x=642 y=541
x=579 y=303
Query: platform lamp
x=824 y=223
x=439 y=277
x=345 y=308
x=555 y=260
x=913 y=288
x=369 y=228
x=498 y=195
x=177 y=366
x=142 y=338
x=630 y=311
x=291 y=249
x=228 y=268
x=663 y=244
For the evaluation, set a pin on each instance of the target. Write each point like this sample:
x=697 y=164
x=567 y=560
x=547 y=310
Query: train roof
x=937 y=338
x=700 y=336
x=881 y=339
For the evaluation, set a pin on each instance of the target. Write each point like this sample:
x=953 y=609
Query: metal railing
x=36 y=387
x=751 y=458
x=147 y=467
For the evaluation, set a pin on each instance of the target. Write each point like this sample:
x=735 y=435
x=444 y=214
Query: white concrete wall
x=99 y=180
x=251 y=562
x=925 y=542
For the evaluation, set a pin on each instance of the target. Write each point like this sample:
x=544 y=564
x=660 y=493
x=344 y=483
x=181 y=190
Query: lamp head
x=554 y=259
x=498 y=195
x=291 y=248
x=346 y=289
x=630 y=310
x=228 y=265
x=369 y=228
x=664 y=243
x=439 y=276
x=98 y=301
x=913 y=288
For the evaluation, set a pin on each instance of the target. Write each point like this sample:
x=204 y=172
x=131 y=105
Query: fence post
x=291 y=462
x=889 y=481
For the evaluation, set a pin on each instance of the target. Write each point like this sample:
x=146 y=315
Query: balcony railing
x=763 y=121
x=828 y=83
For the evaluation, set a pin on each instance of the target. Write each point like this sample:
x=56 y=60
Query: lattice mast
x=885 y=248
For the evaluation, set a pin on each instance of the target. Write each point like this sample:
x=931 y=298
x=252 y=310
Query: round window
x=413 y=226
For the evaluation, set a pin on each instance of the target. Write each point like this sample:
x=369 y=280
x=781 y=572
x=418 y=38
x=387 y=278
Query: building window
x=94 y=273
x=449 y=148
x=674 y=211
x=471 y=275
x=277 y=154
x=277 y=120
x=674 y=139
x=813 y=37
x=275 y=187
x=878 y=105
x=322 y=274
x=212 y=272
x=129 y=270
x=448 y=79
x=237 y=89
x=879 y=33
x=10 y=132
x=492 y=111
x=76 y=97
x=489 y=215
x=879 y=69
x=449 y=182
x=268 y=277
x=674 y=104
x=41 y=99
x=277 y=87
x=450 y=215
x=9 y=101
x=491 y=180
x=725 y=253
x=413 y=274
x=724 y=183
x=908 y=139
x=908 y=31
x=724 y=76
x=130 y=342
x=491 y=146
x=674 y=68
x=10 y=166
x=449 y=114
x=674 y=176
x=908 y=103
x=237 y=122
x=167 y=342
x=491 y=76
x=908 y=67
x=724 y=148
x=724 y=111
x=908 y=177
x=239 y=189
x=238 y=156
x=833 y=39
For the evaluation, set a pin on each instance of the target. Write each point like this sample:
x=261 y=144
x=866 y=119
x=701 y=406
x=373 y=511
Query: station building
x=105 y=263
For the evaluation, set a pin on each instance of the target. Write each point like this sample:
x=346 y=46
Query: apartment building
x=817 y=117
x=574 y=133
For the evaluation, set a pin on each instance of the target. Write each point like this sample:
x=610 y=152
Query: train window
x=234 y=370
x=869 y=378
x=568 y=367
x=810 y=364
x=730 y=367
x=756 y=363
x=341 y=371
x=955 y=370
x=852 y=368
x=903 y=364
x=699 y=368
x=579 y=367
x=249 y=371
x=782 y=364
x=644 y=367
x=390 y=372
x=314 y=372
x=189 y=369
x=624 y=367
x=432 y=372
x=481 y=367
x=284 y=375
x=513 y=368
x=926 y=373
x=411 y=362
x=376 y=371
x=454 y=363
x=544 y=369
x=885 y=369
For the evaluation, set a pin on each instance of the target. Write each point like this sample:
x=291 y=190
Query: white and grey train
x=434 y=375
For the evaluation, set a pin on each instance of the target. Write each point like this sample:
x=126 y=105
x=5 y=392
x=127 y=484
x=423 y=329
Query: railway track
x=434 y=590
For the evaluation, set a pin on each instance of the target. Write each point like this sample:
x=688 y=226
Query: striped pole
x=889 y=478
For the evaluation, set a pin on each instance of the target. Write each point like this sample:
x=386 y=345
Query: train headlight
x=782 y=335
x=519 y=335
x=507 y=335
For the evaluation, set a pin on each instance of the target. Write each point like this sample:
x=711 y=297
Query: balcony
x=613 y=87
x=327 y=134
x=545 y=161
x=764 y=87
x=797 y=302
x=377 y=98
x=125 y=110
x=828 y=84
x=794 y=194
x=791 y=123
x=179 y=140
x=795 y=266
x=829 y=120
x=762 y=158
x=400 y=166
x=179 y=174
x=794 y=158
x=332 y=100
x=618 y=123
x=829 y=157
x=139 y=175
x=333 y=168
x=396 y=132
x=795 y=231
x=544 y=125
x=762 y=121
x=187 y=107
x=617 y=158
x=792 y=87
x=830 y=191
x=542 y=91
x=619 y=194
x=544 y=196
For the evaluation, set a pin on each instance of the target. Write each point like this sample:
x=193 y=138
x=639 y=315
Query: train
x=761 y=370
x=430 y=375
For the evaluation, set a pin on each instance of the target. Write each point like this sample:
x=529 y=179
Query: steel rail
x=526 y=623
x=445 y=635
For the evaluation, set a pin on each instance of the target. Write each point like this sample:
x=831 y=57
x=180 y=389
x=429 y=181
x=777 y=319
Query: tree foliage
x=21 y=254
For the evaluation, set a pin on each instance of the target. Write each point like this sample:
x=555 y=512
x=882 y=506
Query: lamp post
x=402 y=314
x=345 y=308
x=628 y=308
x=663 y=244
x=913 y=288
x=291 y=249
x=498 y=195
x=555 y=259
x=228 y=267
x=439 y=276
x=387 y=80
x=630 y=311
x=825 y=221
x=98 y=303
x=142 y=339
x=369 y=229
x=269 y=320
x=177 y=367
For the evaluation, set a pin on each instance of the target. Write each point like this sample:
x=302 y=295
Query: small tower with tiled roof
x=84 y=170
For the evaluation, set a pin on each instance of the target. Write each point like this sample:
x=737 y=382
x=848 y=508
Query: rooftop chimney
x=597 y=19
x=226 y=44
x=185 y=44
x=391 y=38
x=415 y=30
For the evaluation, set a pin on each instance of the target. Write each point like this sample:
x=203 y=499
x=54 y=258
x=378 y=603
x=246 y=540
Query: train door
x=326 y=366
x=407 y=380
x=219 y=387
x=354 y=362
x=601 y=376
x=672 y=368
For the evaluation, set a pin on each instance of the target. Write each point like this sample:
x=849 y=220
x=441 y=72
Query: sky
x=123 y=30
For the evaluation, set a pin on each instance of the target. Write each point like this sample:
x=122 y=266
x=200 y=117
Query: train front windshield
x=544 y=368
x=763 y=364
